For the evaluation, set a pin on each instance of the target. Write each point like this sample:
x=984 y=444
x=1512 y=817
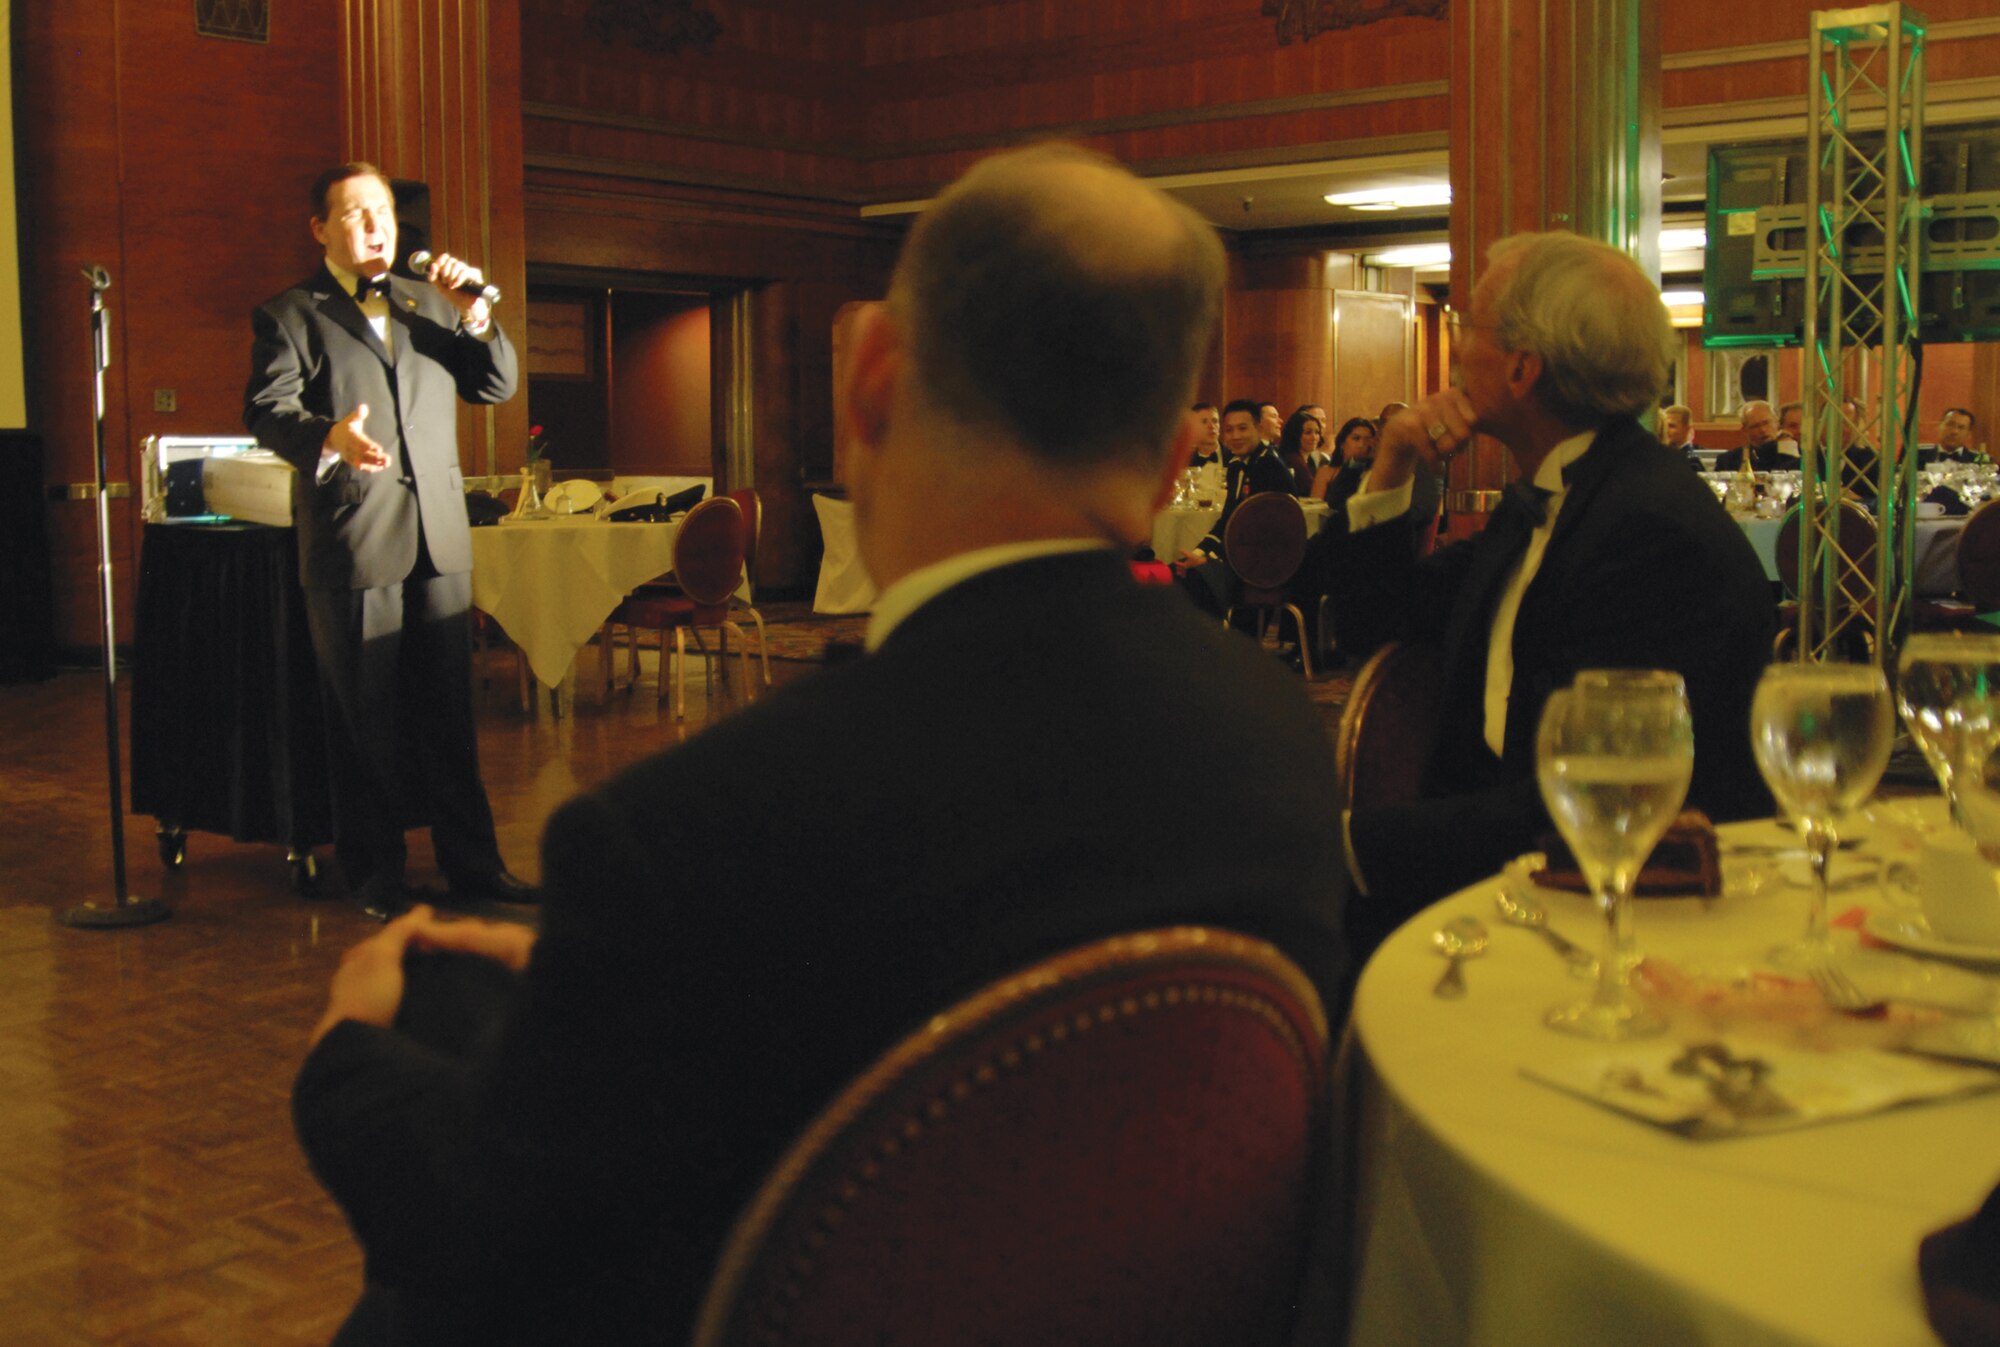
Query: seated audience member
x=1791 y=426
x=1760 y=441
x=1677 y=434
x=1959 y=1267
x=738 y=926
x=1324 y=455
x=1356 y=454
x=1270 y=423
x=1208 y=435
x=1353 y=455
x=1859 y=461
x=1954 y=439
x=1299 y=448
x=1252 y=467
x=1608 y=553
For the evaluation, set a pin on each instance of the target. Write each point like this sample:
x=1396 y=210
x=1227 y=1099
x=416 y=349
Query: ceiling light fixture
x=1393 y=198
x=1419 y=256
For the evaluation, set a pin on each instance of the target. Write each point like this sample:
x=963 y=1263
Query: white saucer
x=1911 y=932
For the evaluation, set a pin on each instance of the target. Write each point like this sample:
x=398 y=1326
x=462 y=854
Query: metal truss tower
x=1863 y=247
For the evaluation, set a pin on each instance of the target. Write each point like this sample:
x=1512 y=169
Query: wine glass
x=1613 y=757
x=1948 y=689
x=1821 y=734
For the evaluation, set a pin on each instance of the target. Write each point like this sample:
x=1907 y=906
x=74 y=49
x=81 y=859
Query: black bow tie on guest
x=364 y=286
x=1531 y=500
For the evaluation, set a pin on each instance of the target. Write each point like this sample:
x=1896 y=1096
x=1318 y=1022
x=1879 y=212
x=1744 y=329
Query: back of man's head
x=1052 y=299
x=1606 y=343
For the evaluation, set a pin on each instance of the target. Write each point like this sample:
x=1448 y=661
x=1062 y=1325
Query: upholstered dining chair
x=1115 y=1145
x=752 y=505
x=708 y=566
x=1265 y=542
x=1979 y=557
x=1856 y=536
x=1389 y=726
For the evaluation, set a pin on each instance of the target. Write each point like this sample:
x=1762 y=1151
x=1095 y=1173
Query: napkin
x=1714 y=1089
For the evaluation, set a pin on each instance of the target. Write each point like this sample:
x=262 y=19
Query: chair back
x=1115 y=1145
x=1266 y=539
x=752 y=505
x=1979 y=557
x=708 y=551
x=1856 y=535
x=1389 y=726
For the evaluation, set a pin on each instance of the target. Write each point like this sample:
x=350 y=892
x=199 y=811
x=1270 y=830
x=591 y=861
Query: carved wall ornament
x=1301 y=19
x=239 y=20
x=657 y=26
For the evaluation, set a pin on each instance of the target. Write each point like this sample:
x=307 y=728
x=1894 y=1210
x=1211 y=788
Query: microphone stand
x=125 y=909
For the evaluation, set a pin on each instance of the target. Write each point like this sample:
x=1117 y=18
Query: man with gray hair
x=1760 y=441
x=737 y=927
x=1607 y=553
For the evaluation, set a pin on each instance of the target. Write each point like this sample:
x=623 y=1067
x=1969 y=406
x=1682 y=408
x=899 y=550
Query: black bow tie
x=364 y=286
x=1529 y=499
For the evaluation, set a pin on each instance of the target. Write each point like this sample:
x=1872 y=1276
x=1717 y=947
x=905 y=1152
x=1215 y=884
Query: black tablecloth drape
x=227 y=735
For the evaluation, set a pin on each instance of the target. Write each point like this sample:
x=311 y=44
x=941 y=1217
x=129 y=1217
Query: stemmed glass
x=1821 y=734
x=1613 y=757
x=1948 y=689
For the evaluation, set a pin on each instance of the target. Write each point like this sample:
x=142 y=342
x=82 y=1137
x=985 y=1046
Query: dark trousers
x=396 y=666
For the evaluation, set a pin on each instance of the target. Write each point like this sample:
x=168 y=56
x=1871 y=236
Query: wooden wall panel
x=152 y=151
x=431 y=91
x=1374 y=352
x=660 y=408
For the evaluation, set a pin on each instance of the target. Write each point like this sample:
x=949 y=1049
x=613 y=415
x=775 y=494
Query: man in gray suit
x=355 y=380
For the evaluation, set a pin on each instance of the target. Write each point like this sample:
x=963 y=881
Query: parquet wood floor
x=151 y=1192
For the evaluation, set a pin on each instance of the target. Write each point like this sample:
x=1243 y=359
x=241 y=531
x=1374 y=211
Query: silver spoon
x=1526 y=911
x=1458 y=940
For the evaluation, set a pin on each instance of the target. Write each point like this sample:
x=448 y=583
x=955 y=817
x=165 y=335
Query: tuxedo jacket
x=1645 y=569
x=314 y=360
x=1763 y=458
x=735 y=928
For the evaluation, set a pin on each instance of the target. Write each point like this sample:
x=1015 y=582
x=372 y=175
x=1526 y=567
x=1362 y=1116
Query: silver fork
x=1839 y=989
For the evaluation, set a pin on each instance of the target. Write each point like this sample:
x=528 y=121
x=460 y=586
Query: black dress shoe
x=498 y=887
x=382 y=899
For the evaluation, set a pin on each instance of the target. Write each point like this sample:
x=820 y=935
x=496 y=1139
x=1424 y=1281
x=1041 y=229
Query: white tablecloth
x=844 y=584
x=550 y=583
x=1179 y=527
x=1494 y=1210
x=1936 y=550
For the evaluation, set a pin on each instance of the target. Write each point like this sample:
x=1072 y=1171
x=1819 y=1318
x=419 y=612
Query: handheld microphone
x=420 y=262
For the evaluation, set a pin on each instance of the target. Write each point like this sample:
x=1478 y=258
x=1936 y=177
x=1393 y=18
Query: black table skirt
x=227 y=735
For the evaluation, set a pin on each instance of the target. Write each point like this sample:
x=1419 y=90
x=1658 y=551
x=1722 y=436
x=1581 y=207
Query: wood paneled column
x=431 y=91
x=1555 y=124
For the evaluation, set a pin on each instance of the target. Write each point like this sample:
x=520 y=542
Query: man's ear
x=1524 y=371
x=875 y=364
x=318 y=227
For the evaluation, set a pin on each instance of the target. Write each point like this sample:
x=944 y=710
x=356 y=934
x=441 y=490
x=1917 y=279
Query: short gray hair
x=1606 y=344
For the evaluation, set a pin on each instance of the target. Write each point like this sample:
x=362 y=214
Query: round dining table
x=1494 y=1209
x=550 y=583
x=1935 y=547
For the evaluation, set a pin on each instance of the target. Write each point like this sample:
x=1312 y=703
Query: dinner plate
x=575 y=496
x=1907 y=931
